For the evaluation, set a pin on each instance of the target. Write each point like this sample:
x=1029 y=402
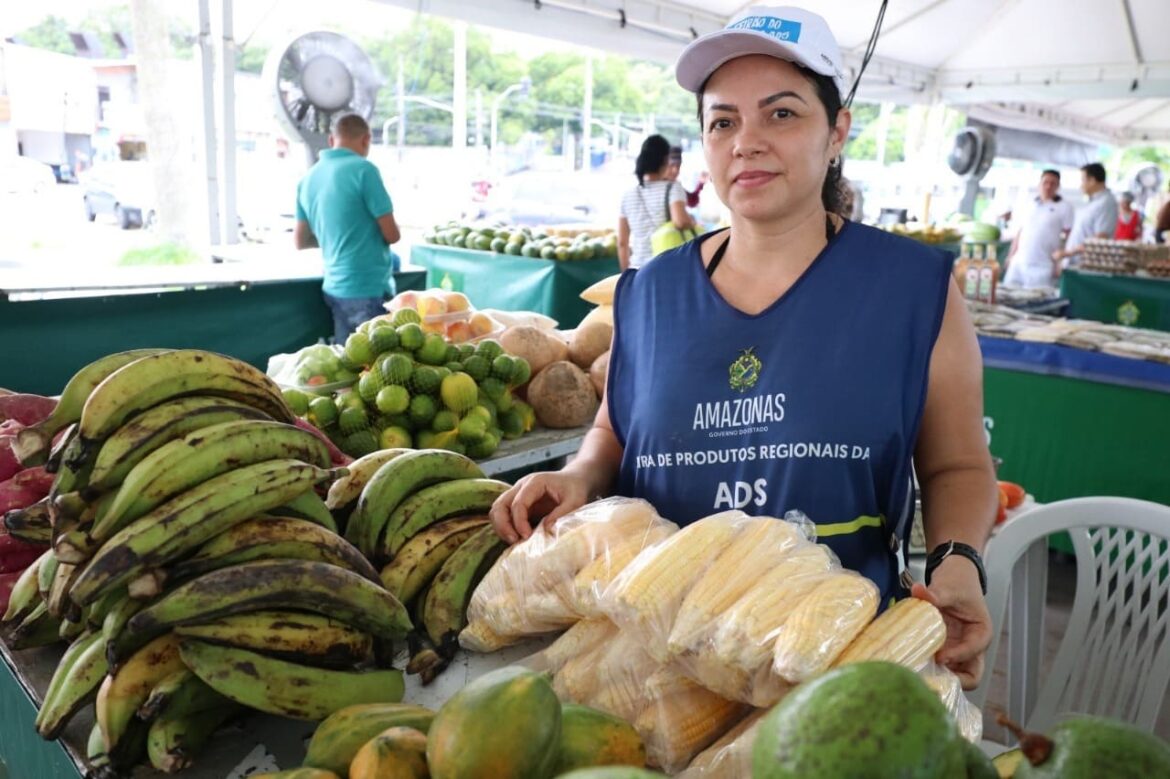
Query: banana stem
x=1036 y=747
x=148 y=585
x=31 y=446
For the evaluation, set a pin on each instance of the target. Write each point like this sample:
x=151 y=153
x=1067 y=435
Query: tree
x=51 y=33
x=250 y=59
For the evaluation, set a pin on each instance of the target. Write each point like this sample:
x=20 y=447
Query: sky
x=272 y=21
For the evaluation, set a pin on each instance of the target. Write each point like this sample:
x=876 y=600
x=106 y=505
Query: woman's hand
x=954 y=589
x=548 y=495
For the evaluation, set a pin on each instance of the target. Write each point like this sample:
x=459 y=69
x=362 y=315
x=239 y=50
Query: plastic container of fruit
x=314 y=369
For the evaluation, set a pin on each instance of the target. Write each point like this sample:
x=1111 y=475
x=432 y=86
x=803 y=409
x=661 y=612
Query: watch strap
x=948 y=548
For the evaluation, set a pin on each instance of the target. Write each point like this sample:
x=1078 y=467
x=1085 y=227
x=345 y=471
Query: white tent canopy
x=1087 y=69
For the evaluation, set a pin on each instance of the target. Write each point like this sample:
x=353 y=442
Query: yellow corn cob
x=577 y=681
x=824 y=623
x=731 y=756
x=594 y=578
x=682 y=719
x=478 y=637
x=950 y=690
x=583 y=637
x=758 y=549
x=745 y=632
x=648 y=593
x=910 y=633
x=578 y=540
x=620 y=700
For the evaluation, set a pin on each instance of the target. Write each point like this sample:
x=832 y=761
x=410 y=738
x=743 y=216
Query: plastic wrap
x=681 y=719
x=731 y=756
x=646 y=596
x=583 y=637
x=313 y=369
x=822 y=625
x=532 y=587
x=612 y=677
x=968 y=717
x=908 y=633
x=733 y=656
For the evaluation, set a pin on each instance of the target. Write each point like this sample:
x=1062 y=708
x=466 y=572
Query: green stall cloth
x=510 y=283
x=47 y=340
x=1064 y=437
x=1126 y=300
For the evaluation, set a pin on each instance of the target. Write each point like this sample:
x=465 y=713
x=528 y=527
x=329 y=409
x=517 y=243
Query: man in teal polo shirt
x=343 y=207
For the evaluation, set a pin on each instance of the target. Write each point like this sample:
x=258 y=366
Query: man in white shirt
x=1097 y=218
x=1044 y=226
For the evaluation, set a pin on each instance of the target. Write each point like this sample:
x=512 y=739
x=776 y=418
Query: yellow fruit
x=396 y=753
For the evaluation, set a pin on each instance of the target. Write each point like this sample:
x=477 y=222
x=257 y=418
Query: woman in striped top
x=655 y=200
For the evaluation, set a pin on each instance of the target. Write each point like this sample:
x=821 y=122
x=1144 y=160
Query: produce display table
x=511 y=283
x=53 y=327
x=1129 y=300
x=257 y=743
x=1069 y=423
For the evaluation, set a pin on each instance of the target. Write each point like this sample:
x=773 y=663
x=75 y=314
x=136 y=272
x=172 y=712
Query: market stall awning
x=1090 y=69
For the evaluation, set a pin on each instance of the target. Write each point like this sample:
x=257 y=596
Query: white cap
x=787 y=33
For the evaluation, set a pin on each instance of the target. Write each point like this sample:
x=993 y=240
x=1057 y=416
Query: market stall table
x=52 y=327
x=1070 y=423
x=1129 y=300
x=258 y=742
x=511 y=283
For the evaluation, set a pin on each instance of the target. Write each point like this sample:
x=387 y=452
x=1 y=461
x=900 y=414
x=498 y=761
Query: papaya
x=1006 y=763
x=593 y=738
x=340 y=735
x=504 y=725
x=298 y=773
x=979 y=765
x=612 y=772
x=395 y=753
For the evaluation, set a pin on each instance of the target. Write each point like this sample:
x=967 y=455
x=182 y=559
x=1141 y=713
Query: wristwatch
x=948 y=548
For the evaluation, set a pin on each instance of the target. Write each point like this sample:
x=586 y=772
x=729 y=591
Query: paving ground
x=1061 y=589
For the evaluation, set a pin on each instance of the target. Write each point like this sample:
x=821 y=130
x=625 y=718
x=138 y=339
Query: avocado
x=979 y=765
x=874 y=720
x=1006 y=763
x=1086 y=747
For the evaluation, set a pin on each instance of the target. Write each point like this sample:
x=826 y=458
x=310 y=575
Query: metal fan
x=972 y=153
x=317 y=76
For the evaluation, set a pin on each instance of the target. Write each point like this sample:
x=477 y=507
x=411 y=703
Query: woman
x=796 y=360
x=1129 y=219
x=655 y=200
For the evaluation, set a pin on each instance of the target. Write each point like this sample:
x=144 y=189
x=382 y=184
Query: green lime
x=503 y=367
x=369 y=384
x=397 y=369
x=297 y=401
x=405 y=316
x=411 y=336
x=395 y=438
x=357 y=349
x=477 y=367
x=383 y=338
x=393 y=399
x=422 y=410
x=445 y=421
x=472 y=429
x=522 y=372
x=322 y=412
x=351 y=420
x=433 y=350
x=489 y=348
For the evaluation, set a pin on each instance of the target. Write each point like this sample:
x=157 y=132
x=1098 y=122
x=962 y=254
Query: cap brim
x=704 y=56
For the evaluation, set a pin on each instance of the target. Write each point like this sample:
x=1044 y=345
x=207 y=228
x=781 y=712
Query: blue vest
x=812 y=405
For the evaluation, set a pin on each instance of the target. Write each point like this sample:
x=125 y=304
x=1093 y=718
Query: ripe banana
x=287 y=689
x=421 y=557
x=32 y=443
x=445 y=607
x=309 y=638
x=132 y=442
x=30 y=524
x=308 y=506
x=181 y=525
x=273 y=538
x=337 y=739
x=348 y=488
x=25 y=593
x=393 y=483
x=58 y=598
x=38 y=628
x=293 y=584
x=74 y=683
x=157 y=378
x=162 y=693
x=127 y=688
x=187 y=462
x=178 y=735
x=438 y=502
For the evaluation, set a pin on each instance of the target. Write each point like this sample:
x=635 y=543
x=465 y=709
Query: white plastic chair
x=1114 y=658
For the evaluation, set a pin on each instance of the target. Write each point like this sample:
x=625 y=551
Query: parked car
x=23 y=175
x=124 y=189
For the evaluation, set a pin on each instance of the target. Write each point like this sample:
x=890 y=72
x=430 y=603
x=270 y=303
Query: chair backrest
x=1114 y=658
